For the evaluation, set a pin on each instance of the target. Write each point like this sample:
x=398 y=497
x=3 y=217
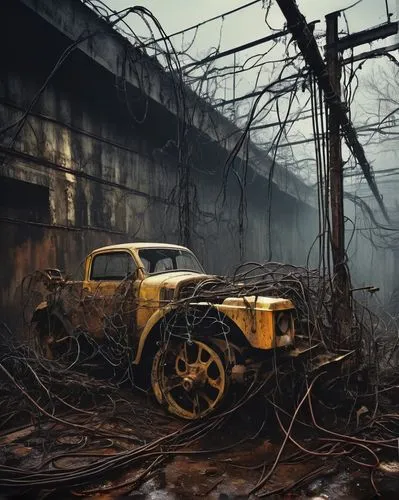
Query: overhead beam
x=366 y=36
x=382 y=51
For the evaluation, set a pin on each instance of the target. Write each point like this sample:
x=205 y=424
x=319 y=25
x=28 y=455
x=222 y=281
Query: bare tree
x=382 y=108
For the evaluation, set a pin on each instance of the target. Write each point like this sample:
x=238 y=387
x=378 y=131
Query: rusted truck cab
x=159 y=296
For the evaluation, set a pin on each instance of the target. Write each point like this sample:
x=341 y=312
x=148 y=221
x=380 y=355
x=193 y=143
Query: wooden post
x=341 y=297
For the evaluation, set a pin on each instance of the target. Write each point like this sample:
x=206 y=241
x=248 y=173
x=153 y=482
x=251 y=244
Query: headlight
x=283 y=323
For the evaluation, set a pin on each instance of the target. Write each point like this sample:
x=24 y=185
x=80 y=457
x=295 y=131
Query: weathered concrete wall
x=110 y=177
x=111 y=51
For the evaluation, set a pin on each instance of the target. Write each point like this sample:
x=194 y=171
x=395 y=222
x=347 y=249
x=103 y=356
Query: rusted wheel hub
x=189 y=378
x=188 y=384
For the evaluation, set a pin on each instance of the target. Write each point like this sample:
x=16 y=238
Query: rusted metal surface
x=25 y=249
x=256 y=317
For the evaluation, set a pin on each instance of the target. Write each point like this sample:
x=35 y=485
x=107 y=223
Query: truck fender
x=154 y=320
x=158 y=316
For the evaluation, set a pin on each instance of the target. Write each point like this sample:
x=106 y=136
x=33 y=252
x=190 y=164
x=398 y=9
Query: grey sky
x=247 y=24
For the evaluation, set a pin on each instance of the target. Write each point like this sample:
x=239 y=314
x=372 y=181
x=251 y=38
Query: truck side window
x=112 y=266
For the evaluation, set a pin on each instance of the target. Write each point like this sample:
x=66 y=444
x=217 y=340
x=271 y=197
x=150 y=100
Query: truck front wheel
x=189 y=378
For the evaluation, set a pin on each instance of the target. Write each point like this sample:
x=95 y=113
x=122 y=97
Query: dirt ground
x=227 y=462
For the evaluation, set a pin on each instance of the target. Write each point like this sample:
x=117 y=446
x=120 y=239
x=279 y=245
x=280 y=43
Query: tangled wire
x=372 y=335
x=75 y=416
x=88 y=430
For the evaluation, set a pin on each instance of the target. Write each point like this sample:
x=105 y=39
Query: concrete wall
x=84 y=171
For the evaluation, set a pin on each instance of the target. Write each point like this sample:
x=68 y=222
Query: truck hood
x=173 y=279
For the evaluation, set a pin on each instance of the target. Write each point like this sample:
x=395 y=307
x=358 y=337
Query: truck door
x=108 y=292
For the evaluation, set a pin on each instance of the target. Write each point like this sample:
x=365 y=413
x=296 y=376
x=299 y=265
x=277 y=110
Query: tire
x=53 y=340
x=190 y=378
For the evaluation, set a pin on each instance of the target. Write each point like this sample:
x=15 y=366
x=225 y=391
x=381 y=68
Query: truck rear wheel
x=190 y=378
x=53 y=340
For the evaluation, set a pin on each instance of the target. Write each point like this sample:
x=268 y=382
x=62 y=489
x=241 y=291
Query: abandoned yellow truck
x=192 y=348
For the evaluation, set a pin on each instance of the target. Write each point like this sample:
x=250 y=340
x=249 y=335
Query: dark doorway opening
x=24 y=201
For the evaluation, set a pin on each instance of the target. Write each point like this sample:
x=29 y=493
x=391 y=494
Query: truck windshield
x=161 y=260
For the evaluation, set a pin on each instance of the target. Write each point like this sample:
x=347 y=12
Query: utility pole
x=328 y=79
x=234 y=88
x=335 y=150
x=341 y=299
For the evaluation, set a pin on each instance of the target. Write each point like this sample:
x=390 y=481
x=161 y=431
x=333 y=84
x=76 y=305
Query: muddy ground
x=228 y=461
